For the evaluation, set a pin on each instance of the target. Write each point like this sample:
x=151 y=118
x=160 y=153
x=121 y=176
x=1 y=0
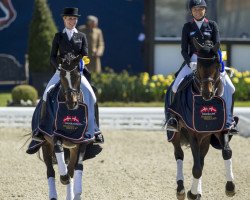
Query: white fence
x=114 y=118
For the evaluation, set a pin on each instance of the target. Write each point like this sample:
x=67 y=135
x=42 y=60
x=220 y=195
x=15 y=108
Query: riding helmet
x=197 y=3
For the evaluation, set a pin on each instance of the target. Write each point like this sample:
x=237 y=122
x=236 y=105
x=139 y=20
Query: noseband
x=198 y=82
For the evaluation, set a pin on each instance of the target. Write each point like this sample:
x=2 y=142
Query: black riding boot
x=233 y=129
x=172 y=123
x=98 y=137
x=38 y=136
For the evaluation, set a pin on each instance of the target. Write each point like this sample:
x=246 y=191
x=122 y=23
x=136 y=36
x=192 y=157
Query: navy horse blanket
x=60 y=121
x=198 y=115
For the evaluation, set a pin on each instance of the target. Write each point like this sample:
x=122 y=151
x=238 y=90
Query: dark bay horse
x=70 y=97
x=206 y=89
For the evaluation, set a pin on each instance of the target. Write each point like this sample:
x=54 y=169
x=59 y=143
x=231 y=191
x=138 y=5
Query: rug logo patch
x=71 y=122
x=208 y=112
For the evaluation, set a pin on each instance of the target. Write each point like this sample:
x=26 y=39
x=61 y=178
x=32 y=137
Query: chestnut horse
x=205 y=83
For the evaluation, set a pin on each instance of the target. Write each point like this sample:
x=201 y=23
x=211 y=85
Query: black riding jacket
x=208 y=31
x=62 y=45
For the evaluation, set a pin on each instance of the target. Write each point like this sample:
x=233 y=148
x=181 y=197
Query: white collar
x=199 y=23
x=68 y=30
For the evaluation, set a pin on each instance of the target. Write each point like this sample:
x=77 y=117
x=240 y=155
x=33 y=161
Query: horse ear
x=197 y=45
x=216 y=47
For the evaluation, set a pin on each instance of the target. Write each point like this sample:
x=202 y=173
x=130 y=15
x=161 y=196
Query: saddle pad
x=208 y=115
x=71 y=124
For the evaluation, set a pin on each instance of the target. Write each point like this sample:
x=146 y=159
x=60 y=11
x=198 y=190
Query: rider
x=70 y=40
x=202 y=29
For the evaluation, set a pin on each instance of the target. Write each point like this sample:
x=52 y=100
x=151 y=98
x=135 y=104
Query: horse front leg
x=62 y=167
x=78 y=173
x=227 y=156
x=179 y=156
x=47 y=157
x=200 y=147
x=71 y=167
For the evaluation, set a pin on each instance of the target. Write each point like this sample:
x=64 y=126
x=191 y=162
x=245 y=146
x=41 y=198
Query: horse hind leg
x=179 y=156
x=47 y=156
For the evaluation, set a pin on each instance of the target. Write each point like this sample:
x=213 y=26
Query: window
x=233 y=18
x=170 y=15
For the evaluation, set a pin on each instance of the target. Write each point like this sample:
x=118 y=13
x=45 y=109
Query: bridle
x=71 y=90
x=198 y=82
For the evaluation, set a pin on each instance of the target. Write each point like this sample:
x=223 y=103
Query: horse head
x=207 y=76
x=70 y=79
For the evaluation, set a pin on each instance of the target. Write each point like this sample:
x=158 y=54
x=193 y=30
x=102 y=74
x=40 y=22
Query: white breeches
x=186 y=70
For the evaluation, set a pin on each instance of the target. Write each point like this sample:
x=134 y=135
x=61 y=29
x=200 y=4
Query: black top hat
x=70 y=12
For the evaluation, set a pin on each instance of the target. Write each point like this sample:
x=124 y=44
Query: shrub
x=41 y=33
x=142 y=87
x=241 y=81
x=131 y=88
x=25 y=93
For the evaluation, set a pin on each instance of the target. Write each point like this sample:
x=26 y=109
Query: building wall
x=169 y=17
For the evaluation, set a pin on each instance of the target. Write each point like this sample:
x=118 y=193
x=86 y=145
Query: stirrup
x=170 y=127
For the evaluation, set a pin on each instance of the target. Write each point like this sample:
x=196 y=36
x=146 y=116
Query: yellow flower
x=247 y=80
x=152 y=85
x=170 y=78
x=238 y=74
x=86 y=60
x=245 y=73
x=161 y=77
x=144 y=77
x=158 y=84
x=154 y=78
x=224 y=55
x=235 y=80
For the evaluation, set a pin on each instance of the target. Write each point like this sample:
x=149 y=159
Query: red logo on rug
x=208 y=109
x=71 y=119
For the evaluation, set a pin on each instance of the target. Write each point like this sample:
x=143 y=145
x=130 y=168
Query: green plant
x=25 y=93
x=41 y=32
x=131 y=88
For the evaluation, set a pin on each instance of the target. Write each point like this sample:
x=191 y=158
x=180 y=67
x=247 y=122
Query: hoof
x=77 y=197
x=191 y=196
x=65 y=180
x=180 y=191
x=181 y=195
x=230 y=189
x=53 y=199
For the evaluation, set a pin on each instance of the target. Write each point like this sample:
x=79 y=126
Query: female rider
x=202 y=29
x=70 y=40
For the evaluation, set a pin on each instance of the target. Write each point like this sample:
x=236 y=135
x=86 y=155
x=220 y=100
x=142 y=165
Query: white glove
x=193 y=65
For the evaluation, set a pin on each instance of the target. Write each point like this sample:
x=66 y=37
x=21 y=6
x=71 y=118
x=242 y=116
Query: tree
x=41 y=33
